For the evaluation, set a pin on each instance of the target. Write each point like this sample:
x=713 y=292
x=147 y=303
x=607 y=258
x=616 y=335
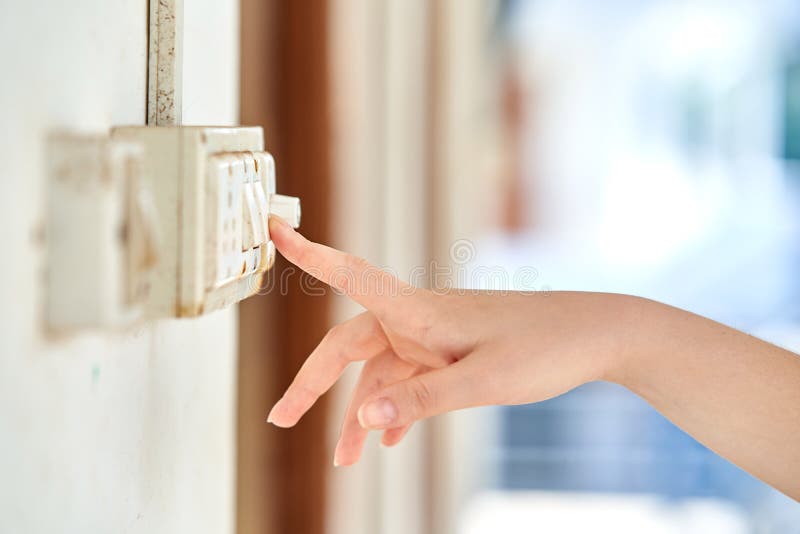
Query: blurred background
x=645 y=147
x=639 y=146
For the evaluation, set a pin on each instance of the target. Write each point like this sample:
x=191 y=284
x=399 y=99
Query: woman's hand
x=431 y=353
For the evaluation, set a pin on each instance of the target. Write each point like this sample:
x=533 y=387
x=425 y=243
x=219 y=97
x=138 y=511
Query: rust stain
x=189 y=310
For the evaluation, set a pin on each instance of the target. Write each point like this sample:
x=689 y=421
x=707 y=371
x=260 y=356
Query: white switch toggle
x=262 y=207
x=287 y=208
x=252 y=225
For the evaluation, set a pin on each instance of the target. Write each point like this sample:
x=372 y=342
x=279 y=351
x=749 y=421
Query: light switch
x=224 y=223
x=213 y=189
x=287 y=208
x=158 y=222
x=102 y=233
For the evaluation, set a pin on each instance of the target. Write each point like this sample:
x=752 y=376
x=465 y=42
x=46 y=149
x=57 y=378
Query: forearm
x=736 y=394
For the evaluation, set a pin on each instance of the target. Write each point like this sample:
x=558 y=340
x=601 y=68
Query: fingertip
x=377 y=414
x=393 y=436
x=278 y=224
x=273 y=412
x=271 y=415
x=281 y=422
x=337 y=462
x=342 y=459
x=280 y=232
x=337 y=454
x=280 y=419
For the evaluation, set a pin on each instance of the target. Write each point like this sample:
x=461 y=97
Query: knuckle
x=438 y=327
x=380 y=383
x=354 y=272
x=421 y=327
x=422 y=397
x=341 y=358
x=308 y=393
x=334 y=334
x=335 y=340
x=343 y=276
x=374 y=334
x=355 y=263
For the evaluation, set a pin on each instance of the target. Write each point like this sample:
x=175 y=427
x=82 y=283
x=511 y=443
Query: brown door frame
x=281 y=474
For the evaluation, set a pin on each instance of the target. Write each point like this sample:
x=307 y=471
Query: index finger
x=370 y=286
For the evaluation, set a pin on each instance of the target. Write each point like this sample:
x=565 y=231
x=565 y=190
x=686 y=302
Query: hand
x=429 y=353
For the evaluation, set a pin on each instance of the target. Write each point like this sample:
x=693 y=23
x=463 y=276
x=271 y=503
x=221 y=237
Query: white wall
x=105 y=432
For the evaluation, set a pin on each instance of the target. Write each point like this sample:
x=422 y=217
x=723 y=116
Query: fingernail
x=278 y=222
x=377 y=414
x=336 y=462
x=271 y=415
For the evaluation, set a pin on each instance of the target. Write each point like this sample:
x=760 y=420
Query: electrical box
x=193 y=208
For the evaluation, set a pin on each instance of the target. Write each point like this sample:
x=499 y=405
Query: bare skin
x=428 y=354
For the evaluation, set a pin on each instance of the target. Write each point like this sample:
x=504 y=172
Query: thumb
x=418 y=397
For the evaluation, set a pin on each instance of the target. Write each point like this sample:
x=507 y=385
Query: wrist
x=630 y=319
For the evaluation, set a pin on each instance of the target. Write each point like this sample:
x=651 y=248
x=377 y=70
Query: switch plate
x=213 y=190
x=101 y=236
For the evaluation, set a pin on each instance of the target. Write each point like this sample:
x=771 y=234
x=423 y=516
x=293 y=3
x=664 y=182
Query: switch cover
x=213 y=190
x=102 y=237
